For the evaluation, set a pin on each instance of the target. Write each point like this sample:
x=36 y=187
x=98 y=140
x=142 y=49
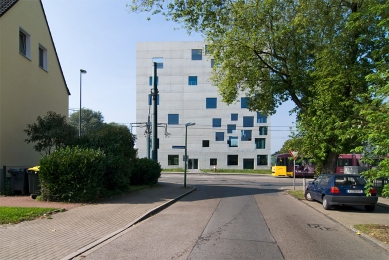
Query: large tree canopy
x=90 y=120
x=317 y=53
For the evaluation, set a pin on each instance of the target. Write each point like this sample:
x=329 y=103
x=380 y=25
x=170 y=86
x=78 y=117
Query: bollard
x=214 y=168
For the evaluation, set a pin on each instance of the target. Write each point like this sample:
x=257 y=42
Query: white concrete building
x=230 y=137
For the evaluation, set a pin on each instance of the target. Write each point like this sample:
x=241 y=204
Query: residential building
x=225 y=136
x=31 y=79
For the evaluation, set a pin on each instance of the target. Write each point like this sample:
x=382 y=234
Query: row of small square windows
x=248 y=121
x=192 y=81
x=25 y=49
x=232 y=141
x=211 y=103
x=262 y=160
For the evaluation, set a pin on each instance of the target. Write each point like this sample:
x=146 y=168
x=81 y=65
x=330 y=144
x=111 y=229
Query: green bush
x=145 y=172
x=72 y=174
x=117 y=142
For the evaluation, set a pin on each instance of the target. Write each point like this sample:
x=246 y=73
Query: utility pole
x=155 y=119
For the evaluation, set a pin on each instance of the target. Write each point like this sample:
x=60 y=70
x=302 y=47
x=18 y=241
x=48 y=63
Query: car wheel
x=326 y=206
x=370 y=208
x=308 y=196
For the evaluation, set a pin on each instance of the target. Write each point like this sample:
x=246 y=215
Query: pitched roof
x=5 y=5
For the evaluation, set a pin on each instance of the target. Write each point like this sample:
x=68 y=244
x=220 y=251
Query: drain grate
x=321 y=227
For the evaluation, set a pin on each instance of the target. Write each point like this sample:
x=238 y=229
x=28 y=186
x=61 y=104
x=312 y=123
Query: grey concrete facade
x=184 y=87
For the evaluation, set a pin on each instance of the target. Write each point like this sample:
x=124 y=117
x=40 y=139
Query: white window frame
x=27 y=43
x=44 y=58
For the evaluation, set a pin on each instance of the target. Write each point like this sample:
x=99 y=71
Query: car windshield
x=349 y=180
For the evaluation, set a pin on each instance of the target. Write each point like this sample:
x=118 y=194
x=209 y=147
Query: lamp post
x=79 y=127
x=186 y=157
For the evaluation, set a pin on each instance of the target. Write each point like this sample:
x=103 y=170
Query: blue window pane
x=246 y=135
x=263 y=130
x=219 y=136
x=261 y=118
x=212 y=63
x=192 y=80
x=151 y=81
x=197 y=54
x=248 y=121
x=231 y=129
x=244 y=102
x=159 y=62
x=173 y=119
x=234 y=117
x=211 y=103
x=151 y=100
x=261 y=159
x=260 y=143
x=216 y=122
x=232 y=141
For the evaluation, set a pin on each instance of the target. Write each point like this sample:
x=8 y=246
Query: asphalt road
x=237 y=217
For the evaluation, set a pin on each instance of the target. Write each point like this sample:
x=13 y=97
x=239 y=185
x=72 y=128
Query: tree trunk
x=330 y=163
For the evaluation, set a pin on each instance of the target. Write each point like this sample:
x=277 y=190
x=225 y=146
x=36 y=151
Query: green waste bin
x=19 y=180
x=33 y=181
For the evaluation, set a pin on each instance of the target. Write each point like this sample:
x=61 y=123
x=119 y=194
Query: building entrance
x=193 y=164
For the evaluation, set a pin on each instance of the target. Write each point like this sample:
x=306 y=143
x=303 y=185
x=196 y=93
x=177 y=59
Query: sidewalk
x=67 y=234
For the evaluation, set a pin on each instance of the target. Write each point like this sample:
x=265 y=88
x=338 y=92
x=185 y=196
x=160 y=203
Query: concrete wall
x=26 y=90
x=177 y=97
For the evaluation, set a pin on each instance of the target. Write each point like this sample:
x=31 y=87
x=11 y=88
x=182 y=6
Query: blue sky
x=100 y=37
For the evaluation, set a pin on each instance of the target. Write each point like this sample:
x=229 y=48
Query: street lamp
x=186 y=157
x=79 y=127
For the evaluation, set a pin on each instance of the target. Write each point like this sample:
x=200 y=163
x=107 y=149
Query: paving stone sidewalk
x=65 y=234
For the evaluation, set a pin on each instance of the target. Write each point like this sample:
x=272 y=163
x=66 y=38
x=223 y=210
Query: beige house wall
x=26 y=90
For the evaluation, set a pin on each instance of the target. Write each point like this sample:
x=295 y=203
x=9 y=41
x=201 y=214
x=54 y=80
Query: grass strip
x=378 y=231
x=14 y=215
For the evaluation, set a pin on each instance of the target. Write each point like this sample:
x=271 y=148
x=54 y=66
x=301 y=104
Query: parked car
x=341 y=189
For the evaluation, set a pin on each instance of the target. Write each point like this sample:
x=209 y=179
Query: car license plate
x=354 y=191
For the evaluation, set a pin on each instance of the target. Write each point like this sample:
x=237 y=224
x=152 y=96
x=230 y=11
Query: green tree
x=311 y=52
x=117 y=142
x=50 y=133
x=90 y=120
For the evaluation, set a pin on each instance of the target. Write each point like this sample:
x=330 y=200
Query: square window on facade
x=216 y=122
x=205 y=143
x=231 y=129
x=192 y=80
x=263 y=130
x=211 y=103
x=244 y=102
x=246 y=135
x=261 y=118
x=248 y=121
x=159 y=62
x=232 y=141
x=151 y=100
x=262 y=160
x=234 y=117
x=173 y=119
x=212 y=161
x=232 y=160
x=260 y=143
x=172 y=159
x=151 y=81
x=219 y=136
x=24 y=43
x=197 y=54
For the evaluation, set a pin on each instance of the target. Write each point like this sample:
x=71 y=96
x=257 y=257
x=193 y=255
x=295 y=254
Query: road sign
x=294 y=154
x=178 y=146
